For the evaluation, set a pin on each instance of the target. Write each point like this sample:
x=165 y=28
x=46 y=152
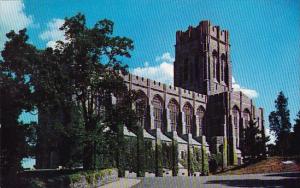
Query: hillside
x=270 y=165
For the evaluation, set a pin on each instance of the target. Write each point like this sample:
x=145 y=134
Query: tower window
x=215 y=66
x=235 y=113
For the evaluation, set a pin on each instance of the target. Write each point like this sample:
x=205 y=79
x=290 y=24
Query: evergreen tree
x=296 y=135
x=254 y=142
x=280 y=123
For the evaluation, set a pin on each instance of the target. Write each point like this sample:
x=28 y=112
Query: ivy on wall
x=130 y=154
x=174 y=158
x=166 y=155
x=205 y=165
x=196 y=161
x=158 y=157
x=140 y=158
x=149 y=156
x=184 y=161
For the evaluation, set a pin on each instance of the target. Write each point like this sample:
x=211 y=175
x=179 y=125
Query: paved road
x=251 y=180
x=122 y=183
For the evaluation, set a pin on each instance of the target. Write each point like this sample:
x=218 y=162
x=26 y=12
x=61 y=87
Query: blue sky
x=265 y=37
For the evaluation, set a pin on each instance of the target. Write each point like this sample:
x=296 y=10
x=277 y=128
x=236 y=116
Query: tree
x=15 y=97
x=91 y=60
x=280 y=123
x=296 y=135
x=253 y=144
x=81 y=74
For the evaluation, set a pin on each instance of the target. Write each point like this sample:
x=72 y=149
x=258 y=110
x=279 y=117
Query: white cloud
x=53 y=33
x=249 y=92
x=272 y=136
x=162 y=72
x=12 y=17
x=166 y=57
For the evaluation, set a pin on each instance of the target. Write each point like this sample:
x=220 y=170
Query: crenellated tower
x=202 y=59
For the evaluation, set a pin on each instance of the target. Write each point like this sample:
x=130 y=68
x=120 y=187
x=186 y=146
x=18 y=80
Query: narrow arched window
x=202 y=128
x=215 y=62
x=157 y=112
x=141 y=109
x=223 y=62
x=235 y=114
x=226 y=76
x=188 y=117
x=246 y=117
x=174 y=111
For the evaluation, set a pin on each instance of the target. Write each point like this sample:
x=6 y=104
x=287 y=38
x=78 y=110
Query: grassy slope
x=270 y=165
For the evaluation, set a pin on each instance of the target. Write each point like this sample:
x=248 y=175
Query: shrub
x=159 y=165
x=196 y=162
x=205 y=165
x=149 y=163
x=174 y=158
x=74 y=178
x=215 y=162
x=36 y=183
x=140 y=153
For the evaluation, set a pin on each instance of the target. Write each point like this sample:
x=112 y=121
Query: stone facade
x=201 y=110
x=202 y=99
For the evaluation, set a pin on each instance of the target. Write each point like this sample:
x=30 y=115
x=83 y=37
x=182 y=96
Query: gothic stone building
x=201 y=109
x=202 y=98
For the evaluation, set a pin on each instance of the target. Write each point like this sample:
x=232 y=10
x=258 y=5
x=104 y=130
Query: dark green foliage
x=158 y=159
x=166 y=155
x=140 y=157
x=62 y=179
x=280 y=123
x=205 y=164
x=295 y=139
x=95 y=79
x=15 y=96
x=130 y=154
x=175 y=159
x=149 y=156
x=120 y=150
x=215 y=162
x=184 y=161
x=196 y=160
x=64 y=83
x=253 y=144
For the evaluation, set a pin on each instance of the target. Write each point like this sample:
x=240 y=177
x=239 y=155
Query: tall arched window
x=246 y=117
x=223 y=62
x=226 y=72
x=215 y=62
x=235 y=114
x=188 y=112
x=218 y=70
x=157 y=111
x=174 y=111
x=141 y=108
x=202 y=128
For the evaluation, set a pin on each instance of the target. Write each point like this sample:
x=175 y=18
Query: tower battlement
x=202 y=59
x=200 y=32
